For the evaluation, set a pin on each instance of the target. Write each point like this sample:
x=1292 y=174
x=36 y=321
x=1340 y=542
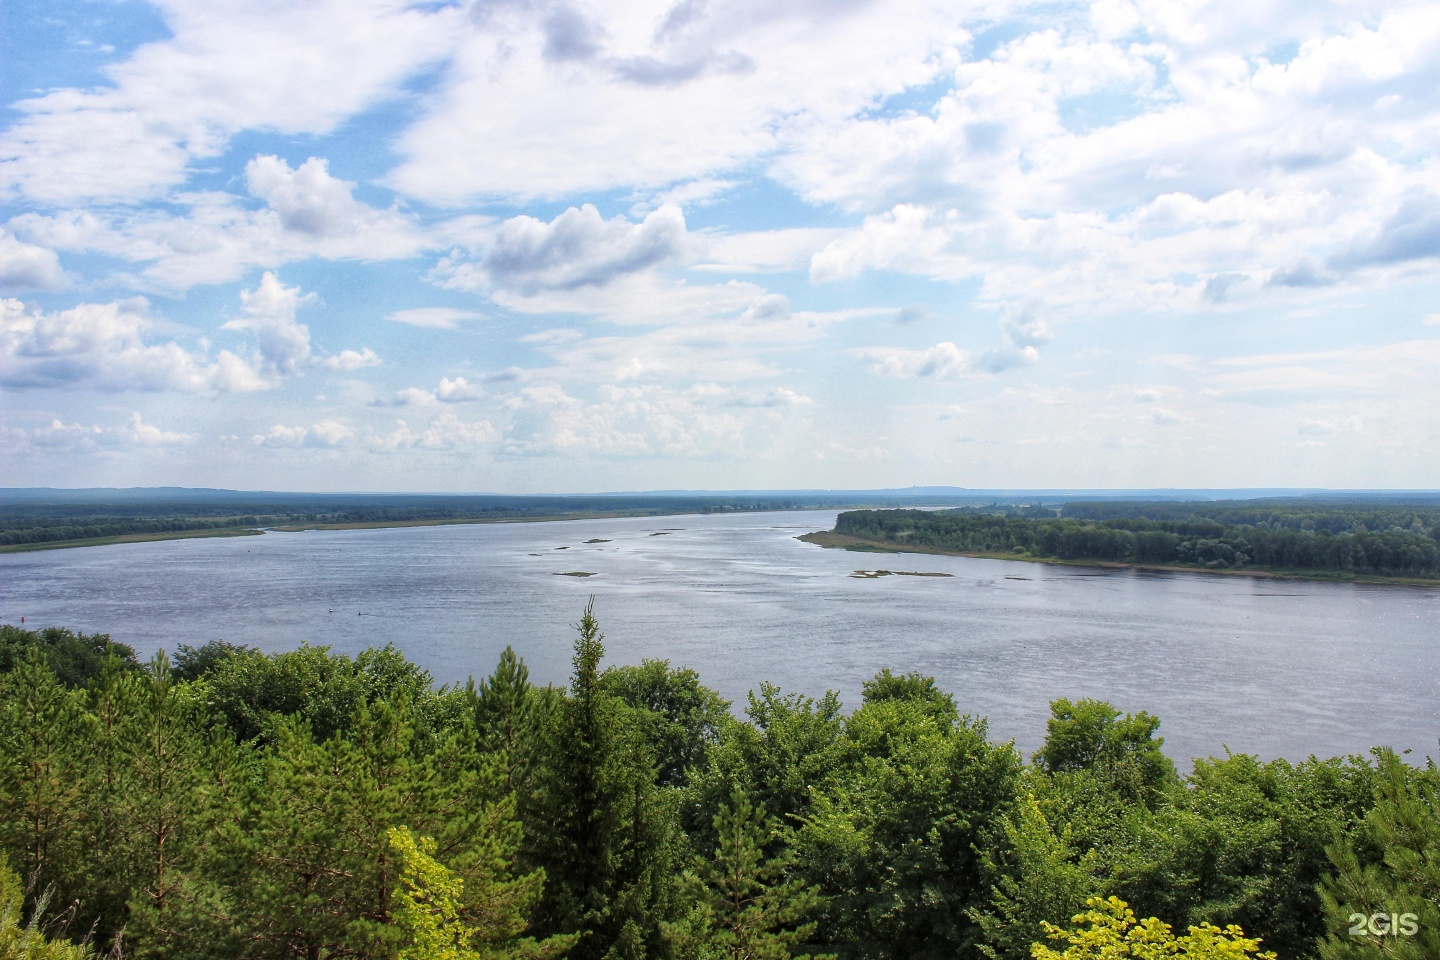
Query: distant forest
x=1300 y=536
x=226 y=804
x=35 y=520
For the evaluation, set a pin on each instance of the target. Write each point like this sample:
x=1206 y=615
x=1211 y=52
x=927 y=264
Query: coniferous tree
x=113 y=703
x=1389 y=879
x=505 y=707
x=597 y=823
x=162 y=807
x=746 y=904
x=43 y=729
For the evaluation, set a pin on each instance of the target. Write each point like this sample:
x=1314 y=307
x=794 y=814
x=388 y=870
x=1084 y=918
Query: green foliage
x=192 y=663
x=1038 y=874
x=253 y=690
x=1390 y=869
x=1384 y=541
x=892 y=835
x=427 y=903
x=236 y=805
x=597 y=822
x=74 y=658
x=1109 y=930
x=1244 y=843
x=1122 y=751
x=43 y=730
x=26 y=941
x=745 y=906
x=680 y=717
x=438 y=921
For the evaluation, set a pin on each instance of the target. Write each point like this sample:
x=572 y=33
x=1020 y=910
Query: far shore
x=302 y=527
x=839 y=541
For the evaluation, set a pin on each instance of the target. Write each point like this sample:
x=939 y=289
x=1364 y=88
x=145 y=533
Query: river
x=1271 y=667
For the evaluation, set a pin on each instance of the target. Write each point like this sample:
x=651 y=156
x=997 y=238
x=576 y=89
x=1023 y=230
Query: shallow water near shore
x=1274 y=667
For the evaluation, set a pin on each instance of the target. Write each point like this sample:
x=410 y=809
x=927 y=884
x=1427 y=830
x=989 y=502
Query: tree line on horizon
x=227 y=803
x=1375 y=541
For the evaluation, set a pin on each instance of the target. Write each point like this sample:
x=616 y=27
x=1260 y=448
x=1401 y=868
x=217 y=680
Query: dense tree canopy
x=1389 y=541
x=235 y=804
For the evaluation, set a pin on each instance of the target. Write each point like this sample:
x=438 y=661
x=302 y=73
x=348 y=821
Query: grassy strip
x=840 y=541
x=132 y=538
x=301 y=527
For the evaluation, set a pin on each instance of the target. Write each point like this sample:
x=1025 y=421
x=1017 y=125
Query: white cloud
x=58 y=436
x=283 y=343
x=625 y=101
x=436 y=318
x=308 y=214
x=458 y=390
x=944 y=361
x=325 y=434
x=28 y=267
x=134 y=138
x=1065 y=162
x=621 y=422
x=446 y=432
x=577 y=249
x=103 y=346
x=348 y=360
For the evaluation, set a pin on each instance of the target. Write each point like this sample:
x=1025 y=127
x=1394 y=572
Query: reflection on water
x=1261 y=666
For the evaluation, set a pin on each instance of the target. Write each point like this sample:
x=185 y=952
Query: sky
x=555 y=246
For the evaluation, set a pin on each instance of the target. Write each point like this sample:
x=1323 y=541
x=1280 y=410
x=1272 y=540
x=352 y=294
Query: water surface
x=1274 y=667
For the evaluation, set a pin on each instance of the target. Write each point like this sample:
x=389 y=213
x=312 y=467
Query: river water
x=1272 y=667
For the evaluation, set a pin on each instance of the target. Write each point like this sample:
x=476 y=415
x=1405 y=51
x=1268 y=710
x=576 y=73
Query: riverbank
x=303 y=527
x=839 y=541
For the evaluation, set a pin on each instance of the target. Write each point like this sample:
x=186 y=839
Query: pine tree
x=113 y=701
x=596 y=822
x=1393 y=887
x=746 y=905
x=43 y=728
x=504 y=706
x=162 y=808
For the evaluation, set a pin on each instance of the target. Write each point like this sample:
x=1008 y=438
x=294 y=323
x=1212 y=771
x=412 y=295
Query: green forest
x=1307 y=538
x=222 y=802
x=30 y=519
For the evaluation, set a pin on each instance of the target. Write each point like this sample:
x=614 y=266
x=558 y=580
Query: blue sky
x=521 y=246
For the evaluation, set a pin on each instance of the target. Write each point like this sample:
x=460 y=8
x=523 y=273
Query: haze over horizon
x=546 y=246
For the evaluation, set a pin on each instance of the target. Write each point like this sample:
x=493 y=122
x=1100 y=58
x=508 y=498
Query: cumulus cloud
x=130 y=137
x=349 y=360
x=24 y=266
x=104 y=347
x=59 y=436
x=1022 y=329
x=620 y=422
x=211 y=236
x=601 y=99
x=269 y=315
x=944 y=361
x=577 y=249
x=446 y=432
x=325 y=434
x=458 y=390
x=1411 y=233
